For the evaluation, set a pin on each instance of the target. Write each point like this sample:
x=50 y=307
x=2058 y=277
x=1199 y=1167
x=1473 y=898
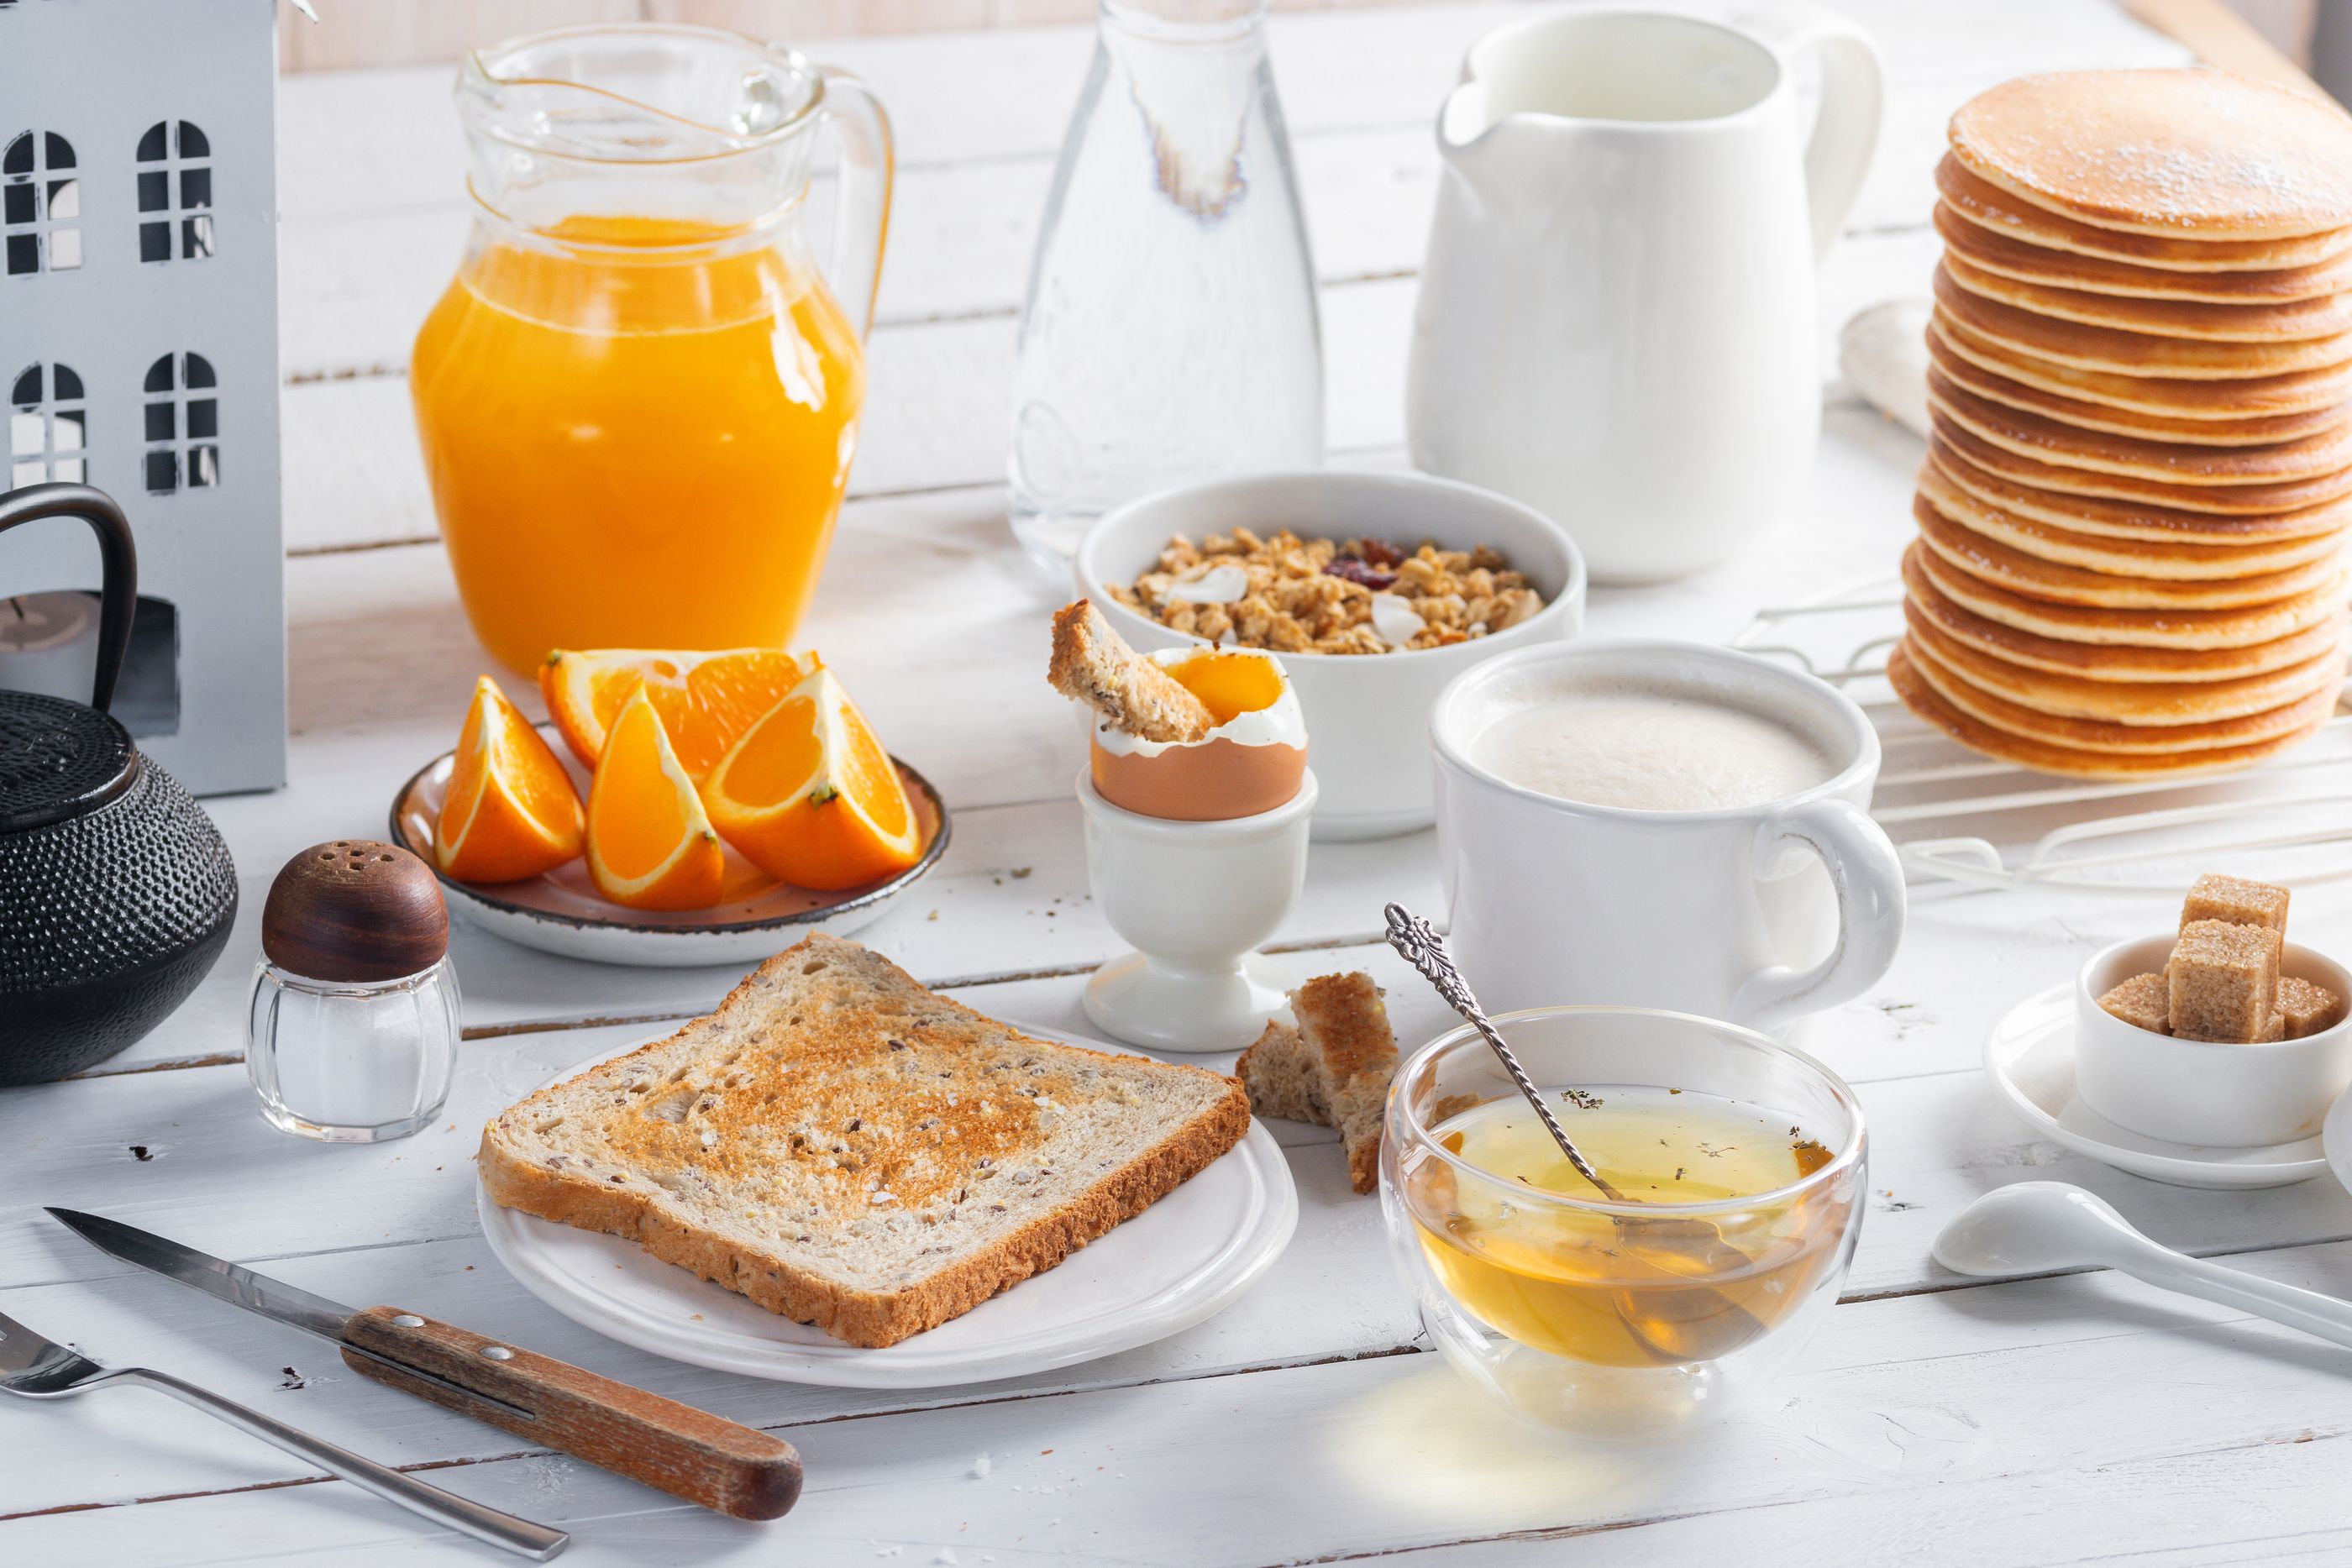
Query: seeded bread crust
x=1092 y=664
x=1333 y=1069
x=518 y=1173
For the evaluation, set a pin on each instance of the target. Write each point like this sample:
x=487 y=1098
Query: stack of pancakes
x=2132 y=518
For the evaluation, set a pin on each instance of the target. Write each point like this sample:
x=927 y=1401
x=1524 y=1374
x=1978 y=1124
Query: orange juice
x=638 y=432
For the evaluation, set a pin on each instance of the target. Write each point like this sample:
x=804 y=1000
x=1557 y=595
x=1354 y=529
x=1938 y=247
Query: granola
x=1329 y=596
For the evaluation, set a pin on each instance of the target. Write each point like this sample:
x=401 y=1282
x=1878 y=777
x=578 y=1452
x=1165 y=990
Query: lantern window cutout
x=176 y=191
x=40 y=205
x=183 y=424
x=49 y=428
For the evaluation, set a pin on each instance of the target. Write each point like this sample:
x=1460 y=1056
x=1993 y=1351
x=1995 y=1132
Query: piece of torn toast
x=850 y=1151
x=1332 y=1069
x=1092 y=664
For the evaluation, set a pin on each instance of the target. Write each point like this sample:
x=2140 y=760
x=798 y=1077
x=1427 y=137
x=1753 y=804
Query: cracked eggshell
x=1253 y=762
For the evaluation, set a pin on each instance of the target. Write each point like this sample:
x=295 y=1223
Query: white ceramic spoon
x=2036 y=1226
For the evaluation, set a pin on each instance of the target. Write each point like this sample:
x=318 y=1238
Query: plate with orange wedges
x=658 y=817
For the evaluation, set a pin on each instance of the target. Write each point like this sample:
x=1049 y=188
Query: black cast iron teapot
x=116 y=892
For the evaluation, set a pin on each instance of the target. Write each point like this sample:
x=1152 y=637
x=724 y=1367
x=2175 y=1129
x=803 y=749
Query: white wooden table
x=2062 y=1419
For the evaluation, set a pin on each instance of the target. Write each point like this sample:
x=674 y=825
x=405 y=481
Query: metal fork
x=38 y=1368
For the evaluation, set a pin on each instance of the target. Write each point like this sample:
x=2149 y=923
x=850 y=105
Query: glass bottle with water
x=1170 y=328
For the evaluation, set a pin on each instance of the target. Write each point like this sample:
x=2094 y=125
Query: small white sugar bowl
x=2200 y=1091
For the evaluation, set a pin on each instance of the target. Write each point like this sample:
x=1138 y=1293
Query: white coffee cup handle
x=1853 y=90
x=1868 y=877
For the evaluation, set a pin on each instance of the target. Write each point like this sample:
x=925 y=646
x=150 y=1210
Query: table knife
x=735 y=1469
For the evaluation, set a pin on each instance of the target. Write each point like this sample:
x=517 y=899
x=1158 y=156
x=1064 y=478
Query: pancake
x=2292 y=320
x=2242 y=397
x=1993 y=209
x=1995 y=387
x=2049 y=440
x=2006 y=255
x=1924 y=702
x=2195 y=630
x=2092 y=661
x=2123 y=702
x=2294 y=718
x=2127 y=520
x=2168 y=560
x=2282 y=495
x=2180 y=153
x=1989 y=560
x=2130 y=353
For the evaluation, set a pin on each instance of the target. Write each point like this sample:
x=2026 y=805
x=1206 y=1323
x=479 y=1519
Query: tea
x=638 y=431
x=1614 y=1290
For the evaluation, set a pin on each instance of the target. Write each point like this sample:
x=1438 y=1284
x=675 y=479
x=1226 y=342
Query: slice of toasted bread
x=850 y=1151
x=1333 y=1069
x=1092 y=664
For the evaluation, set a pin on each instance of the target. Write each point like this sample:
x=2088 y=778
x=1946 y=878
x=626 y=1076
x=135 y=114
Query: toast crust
x=1092 y=665
x=868 y=1318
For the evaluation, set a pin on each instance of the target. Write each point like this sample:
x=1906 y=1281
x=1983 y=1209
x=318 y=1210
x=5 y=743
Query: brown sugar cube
x=2306 y=1009
x=2144 y=1001
x=2275 y=1030
x=2224 y=981
x=2236 y=900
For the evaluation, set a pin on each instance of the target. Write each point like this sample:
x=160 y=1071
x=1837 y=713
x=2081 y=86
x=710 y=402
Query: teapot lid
x=58 y=759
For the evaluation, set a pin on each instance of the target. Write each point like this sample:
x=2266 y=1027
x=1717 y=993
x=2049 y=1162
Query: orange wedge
x=511 y=812
x=706 y=700
x=809 y=796
x=649 y=844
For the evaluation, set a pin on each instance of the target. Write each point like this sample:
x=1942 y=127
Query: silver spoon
x=1695 y=1322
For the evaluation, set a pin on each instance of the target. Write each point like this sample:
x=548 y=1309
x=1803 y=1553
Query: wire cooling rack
x=1959 y=817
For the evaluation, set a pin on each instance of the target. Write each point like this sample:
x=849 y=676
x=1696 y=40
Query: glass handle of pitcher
x=861 y=220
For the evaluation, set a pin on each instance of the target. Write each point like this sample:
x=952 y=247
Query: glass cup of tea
x=1742 y=1165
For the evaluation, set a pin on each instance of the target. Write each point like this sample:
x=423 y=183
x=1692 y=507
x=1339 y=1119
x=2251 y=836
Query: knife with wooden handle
x=735 y=1469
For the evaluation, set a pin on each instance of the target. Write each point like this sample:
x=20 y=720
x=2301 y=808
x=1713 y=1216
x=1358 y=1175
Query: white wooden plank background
x=2060 y=1420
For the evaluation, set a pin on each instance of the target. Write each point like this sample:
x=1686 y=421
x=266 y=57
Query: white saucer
x=1185 y=1257
x=2030 y=1057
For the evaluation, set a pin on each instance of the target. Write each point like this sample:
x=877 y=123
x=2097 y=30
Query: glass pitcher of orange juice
x=639 y=399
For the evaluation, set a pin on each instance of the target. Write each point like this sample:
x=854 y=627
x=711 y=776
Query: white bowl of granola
x=1369 y=625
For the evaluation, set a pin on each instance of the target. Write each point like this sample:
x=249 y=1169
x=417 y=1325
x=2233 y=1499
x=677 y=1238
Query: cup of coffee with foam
x=1661 y=824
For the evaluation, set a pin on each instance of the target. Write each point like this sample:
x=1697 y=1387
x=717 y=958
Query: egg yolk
x=1230 y=684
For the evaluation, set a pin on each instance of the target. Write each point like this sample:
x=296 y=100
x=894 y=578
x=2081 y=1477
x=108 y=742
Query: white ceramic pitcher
x=1616 y=321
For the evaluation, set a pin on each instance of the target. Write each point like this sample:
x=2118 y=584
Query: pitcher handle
x=861 y=220
x=1868 y=877
x=1853 y=90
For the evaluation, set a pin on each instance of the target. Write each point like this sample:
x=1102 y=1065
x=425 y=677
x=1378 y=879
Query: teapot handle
x=1853 y=90
x=117 y=557
x=861 y=222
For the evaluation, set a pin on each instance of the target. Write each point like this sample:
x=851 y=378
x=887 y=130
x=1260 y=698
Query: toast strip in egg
x=1092 y=664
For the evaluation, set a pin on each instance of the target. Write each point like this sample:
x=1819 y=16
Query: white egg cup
x=1195 y=899
x=2204 y=1093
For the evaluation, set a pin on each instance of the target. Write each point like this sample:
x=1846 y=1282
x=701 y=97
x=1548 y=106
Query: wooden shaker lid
x=354 y=910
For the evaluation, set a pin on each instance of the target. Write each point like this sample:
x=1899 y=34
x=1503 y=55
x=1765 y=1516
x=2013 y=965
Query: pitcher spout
x=1507 y=160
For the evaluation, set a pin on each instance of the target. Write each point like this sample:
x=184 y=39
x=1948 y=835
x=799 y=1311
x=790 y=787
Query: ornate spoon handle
x=1425 y=949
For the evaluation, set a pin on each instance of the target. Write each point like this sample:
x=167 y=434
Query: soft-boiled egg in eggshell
x=1253 y=761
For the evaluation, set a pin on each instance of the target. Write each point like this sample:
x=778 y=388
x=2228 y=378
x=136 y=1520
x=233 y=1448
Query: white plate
x=2030 y=1058
x=1178 y=1262
x=563 y=912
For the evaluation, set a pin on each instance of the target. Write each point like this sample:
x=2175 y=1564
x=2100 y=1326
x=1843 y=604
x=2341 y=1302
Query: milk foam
x=1651 y=748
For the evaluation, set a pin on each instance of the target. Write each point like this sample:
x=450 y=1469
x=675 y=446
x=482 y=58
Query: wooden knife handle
x=735 y=1469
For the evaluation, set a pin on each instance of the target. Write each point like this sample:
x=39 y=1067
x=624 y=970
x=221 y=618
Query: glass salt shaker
x=1168 y=331
x=351 y=1034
